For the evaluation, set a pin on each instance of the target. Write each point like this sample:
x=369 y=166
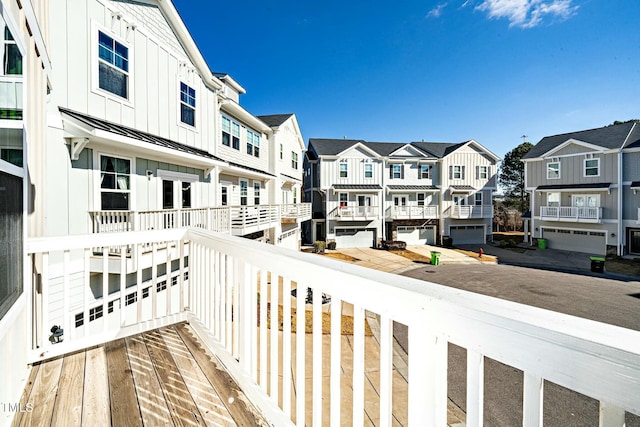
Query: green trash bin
x=597 y=264
x=435 y=258
x=542 y=243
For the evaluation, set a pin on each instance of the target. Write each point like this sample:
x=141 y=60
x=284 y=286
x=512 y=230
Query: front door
x=364 y=202
x=634 y=241
x=459 y=200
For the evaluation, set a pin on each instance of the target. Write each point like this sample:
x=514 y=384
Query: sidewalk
x=447 y=256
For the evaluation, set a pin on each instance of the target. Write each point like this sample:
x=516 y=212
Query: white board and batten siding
x=355 y=158
x=157 y=65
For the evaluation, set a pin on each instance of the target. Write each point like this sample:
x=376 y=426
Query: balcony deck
x=160 y=378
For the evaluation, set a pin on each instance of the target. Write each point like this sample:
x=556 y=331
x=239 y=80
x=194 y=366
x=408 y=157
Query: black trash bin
x=597 y=264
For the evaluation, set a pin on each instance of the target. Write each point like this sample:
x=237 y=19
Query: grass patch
x=517 y=236
x=629 y=267
x=413 y=256
x=347 y=321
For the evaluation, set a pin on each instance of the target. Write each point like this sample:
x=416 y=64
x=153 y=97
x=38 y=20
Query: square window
x=553 y=170
x=187 y=105
x=95 y=313
x=553 y=199
x=457 y=172
x=113 y=66
x=483 y=172
x=592 y=167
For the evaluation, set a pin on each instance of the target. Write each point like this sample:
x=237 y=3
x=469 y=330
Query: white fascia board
x=242 y=172
x=576 y=142
x=409 y=147
x=30 y=16
x=227 y=79
x=364 y=147
x=243 y=115
x=300 y=139
x=631 y=150
x=181 y=31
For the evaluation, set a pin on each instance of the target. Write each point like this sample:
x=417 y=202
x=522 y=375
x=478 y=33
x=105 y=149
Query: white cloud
x=527 y=13
x=436 y=11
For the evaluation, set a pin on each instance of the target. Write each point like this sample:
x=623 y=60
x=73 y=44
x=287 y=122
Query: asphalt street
x=616 y=302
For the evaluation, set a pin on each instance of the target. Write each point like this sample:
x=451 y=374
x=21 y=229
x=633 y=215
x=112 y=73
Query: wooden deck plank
x=202 y=392
x=26 y=395
x=43 y=396
x=68 y=409
x=236 y=402
x=122 y=392
x=153 y=407
x=179 y=401
x=95 y=400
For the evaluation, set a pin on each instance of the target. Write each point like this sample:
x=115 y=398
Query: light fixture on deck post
x=56 y=334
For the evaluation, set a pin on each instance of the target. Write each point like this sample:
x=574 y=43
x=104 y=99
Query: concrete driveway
x=447 y=256
x=378 y=259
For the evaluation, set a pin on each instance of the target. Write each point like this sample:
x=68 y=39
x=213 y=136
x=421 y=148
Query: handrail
x=231 y=282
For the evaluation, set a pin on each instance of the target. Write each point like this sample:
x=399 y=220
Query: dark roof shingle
x=274 y=120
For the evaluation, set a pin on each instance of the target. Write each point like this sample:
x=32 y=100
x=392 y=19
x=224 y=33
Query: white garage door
x=590 y=242
x=467 y=234
x=354 y=238
x=290 y=240
x=417 y=235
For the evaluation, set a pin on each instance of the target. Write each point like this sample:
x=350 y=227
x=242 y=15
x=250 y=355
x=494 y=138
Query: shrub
x=331 y=245
x=319 y=246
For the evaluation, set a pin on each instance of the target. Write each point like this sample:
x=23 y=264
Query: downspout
x=383 y=202
x=620 y=215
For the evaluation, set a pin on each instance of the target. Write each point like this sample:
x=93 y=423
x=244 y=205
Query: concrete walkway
x=378 y=259
x=447 y=256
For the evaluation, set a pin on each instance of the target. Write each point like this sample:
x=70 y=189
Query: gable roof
x=438 y=149
x=609 y=137
x=385 y=148
x=275 y=120
x=331 y=147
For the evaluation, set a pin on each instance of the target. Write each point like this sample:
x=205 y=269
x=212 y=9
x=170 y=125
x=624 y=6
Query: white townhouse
x=584 y=190
x=25 y=78
x=363 y=192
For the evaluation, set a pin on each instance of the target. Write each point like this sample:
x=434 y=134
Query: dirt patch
x=629 y=267
x=346 y=324
x=413 y=256
x=516 y=236
x=340 y=256
x=474 y=255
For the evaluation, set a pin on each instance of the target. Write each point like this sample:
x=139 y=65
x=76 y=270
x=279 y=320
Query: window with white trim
x=115 y=183
x=553 y=170
x=295 y=195
x=424 y=172
x=421 y=197
x=477 y=199
x=483 y=172
x=344 y=170
x=456 y=172
x=591 y=167
x=553 y=199
x=281 y=151
x=113 y=66
x=244 y=192
x=226 y=131
x=224 y=195
x=396 y=172
x=11 y=57
x=253 y=143
x=585 y=200
x=187 y=104
x=343 y=198
x=294 y=160
x=256 y=193
x=368 y=170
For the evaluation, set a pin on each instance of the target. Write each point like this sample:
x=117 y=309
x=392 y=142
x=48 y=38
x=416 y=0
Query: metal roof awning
x=602 y=186
x=81 y=129
x=467 y=189
x=411 y=188
x=356 y=187
x=635 y=186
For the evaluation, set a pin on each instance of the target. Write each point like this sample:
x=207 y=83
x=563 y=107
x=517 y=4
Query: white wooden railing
x=224 y=285
x=413 y=212
x=356 y=212
x=235 y=219
x=470 y=211
x=299 y=211
x=571 y=213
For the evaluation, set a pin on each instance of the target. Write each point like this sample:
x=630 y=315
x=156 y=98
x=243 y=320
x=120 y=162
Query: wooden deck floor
x=164 y=377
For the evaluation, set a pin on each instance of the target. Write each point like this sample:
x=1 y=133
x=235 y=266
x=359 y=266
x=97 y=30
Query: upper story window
x=396 y=172
x=368 y=170
x=115 y=183
x=230 y=133
x=11 y=57
x=591 y=167
x=281 y=151
x=253 y=143
x=294 y=160
x=187 y=104
x=477 y=199
x=344 y=170
x=456 y=172
x=424 y=172
x=553 y=170
x=483 y=172
x=113 y=66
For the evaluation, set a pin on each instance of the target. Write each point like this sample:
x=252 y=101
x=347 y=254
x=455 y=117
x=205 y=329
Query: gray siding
x=572 y=171
x=631 y=166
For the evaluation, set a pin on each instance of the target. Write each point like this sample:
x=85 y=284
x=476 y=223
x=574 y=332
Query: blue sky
x=441 y=71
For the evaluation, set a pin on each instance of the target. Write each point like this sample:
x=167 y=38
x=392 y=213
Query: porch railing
x=356 y=213
x=413 y=212
x=228 y=288
x=470 y=211
x=571 y=213
x=298 y=211
x=11 y=92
